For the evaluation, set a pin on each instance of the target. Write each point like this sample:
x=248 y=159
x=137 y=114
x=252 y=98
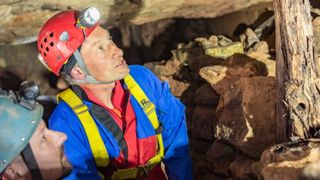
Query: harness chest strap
x=98 y=149
x=149 y=109
x=97 y=146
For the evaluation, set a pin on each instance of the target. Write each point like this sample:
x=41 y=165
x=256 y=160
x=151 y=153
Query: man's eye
x=101 y=48
x=43 y=138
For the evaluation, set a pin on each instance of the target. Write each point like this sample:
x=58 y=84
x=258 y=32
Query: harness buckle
x=80 y=109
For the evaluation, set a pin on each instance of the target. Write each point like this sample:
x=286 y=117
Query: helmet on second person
x=18 y=124
x=63 y=34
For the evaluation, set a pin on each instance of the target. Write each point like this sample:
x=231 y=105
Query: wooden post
x=298 y=91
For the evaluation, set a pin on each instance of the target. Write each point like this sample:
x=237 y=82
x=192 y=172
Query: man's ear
x=77 y=73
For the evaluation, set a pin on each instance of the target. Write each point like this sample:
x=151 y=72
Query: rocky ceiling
x=20 y=20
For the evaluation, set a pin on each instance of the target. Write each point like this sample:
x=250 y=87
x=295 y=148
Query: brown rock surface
x=203 y=121
x=232 y=69
x=206 y=95
x=287 y=160
x=241 y=168
x=246 y=115
x=219 y=157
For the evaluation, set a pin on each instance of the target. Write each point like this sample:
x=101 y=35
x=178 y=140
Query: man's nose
x=58 y=137
x=116 y=51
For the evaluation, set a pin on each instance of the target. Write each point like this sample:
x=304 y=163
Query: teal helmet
x=17 y=124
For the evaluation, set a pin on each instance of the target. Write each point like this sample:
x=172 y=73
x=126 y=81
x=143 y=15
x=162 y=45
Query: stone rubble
x=230 y=94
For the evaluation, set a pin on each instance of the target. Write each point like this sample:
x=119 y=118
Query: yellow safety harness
x=97 y=146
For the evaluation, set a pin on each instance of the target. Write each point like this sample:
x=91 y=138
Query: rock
x=177 y=87
x=30 y=15
x=246 y=115
x=265 y=58
x=189 y=113
x=171 y=67
x=203 y=42
x=198 y=62
x=203 y=121
x=311 y=172
x=3 y=63
x=316 y=33
x=241 y=168
x=206 y=95
x=219 y=157
x=199 y=164
x=213 y=177
x=156 y=67
x=215 y=76
x=288 y=160
x=249 y=38
x=200 y=145
x=184 y=54
x=225 y=51
x=232 y=69
x=223 y=41
x=8 y=80
x=261 y=47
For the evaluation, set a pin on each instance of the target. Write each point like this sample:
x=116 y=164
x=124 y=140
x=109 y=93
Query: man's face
x=47 y=147
x=102 y=57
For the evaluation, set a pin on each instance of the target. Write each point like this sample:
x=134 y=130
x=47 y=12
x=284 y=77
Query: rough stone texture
x=213 y=176
x=232 y=69
x=25 y=66
x=287 y=160
x=241 y=168
x=206 y=95
x=219 y=157
x=261 y=47
x=177 y=87
x=31 y=14
x=265 y=58
x=225 y=51
x=316 y=33
x=249 y=38
x=311 y=171
x=200 y=145
x=197 y=62
x=203 y=121
x=247 y=115
x=8 y=80
x=198 y=164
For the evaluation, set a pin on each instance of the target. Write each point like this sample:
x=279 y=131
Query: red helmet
x=60 y=37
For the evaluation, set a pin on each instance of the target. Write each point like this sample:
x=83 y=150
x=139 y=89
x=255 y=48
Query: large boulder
x=246 y=115
x=220 y=77
x=203 y=121
x=290 y=160
x=219 y=157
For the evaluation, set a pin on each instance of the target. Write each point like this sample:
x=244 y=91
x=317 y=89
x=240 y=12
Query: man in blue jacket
x=121 y=121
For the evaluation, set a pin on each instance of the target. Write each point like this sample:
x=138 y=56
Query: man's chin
x=66 y=166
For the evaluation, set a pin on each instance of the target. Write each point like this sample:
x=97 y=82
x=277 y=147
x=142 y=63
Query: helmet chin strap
x=89 y=78
x=30 y=160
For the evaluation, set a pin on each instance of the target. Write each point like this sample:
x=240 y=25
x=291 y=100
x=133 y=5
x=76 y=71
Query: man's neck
x=102 y=92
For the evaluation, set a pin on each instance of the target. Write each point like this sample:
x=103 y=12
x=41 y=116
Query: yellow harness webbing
x=97 y=146
x=149 y=109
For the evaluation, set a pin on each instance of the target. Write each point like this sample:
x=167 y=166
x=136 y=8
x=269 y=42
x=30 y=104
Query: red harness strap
x=139 y=150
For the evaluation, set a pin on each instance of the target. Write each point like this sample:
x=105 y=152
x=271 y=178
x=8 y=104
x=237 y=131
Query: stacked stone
x=229 y=90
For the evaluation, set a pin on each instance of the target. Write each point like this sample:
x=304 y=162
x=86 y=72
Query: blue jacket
x=170 y=112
